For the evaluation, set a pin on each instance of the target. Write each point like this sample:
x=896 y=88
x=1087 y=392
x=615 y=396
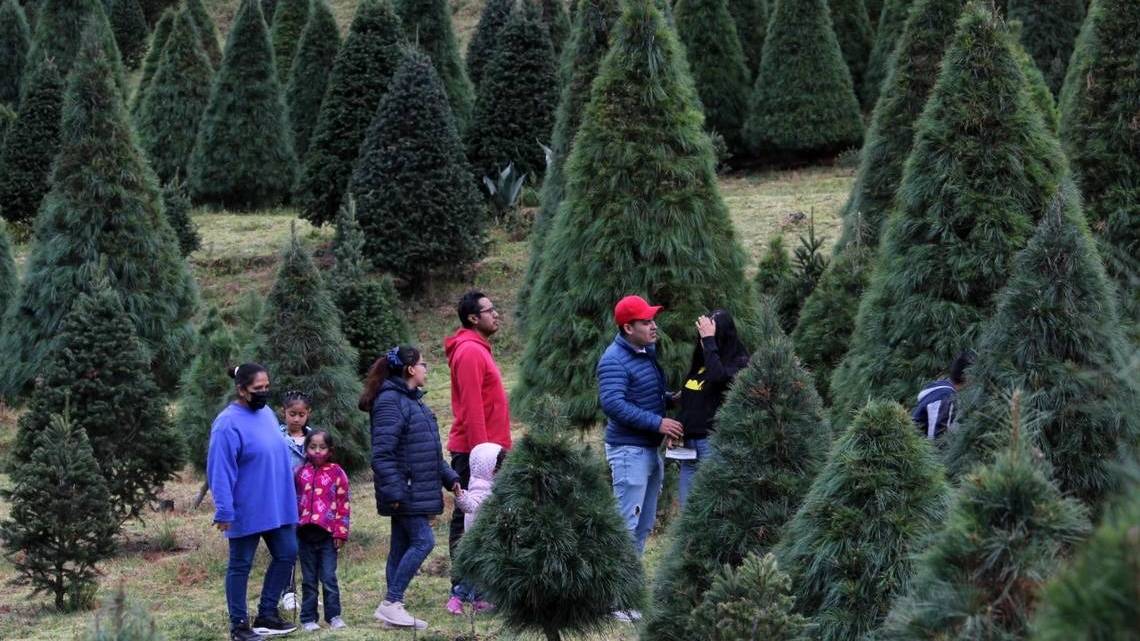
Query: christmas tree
x=491 y=21
x=15 y=40
x=300 y=342
x=122 y=620
x=554 y=585
x=176 y=203
x=770 y=442
x=656 y=225
x=104 y=206
x=892 y=20
x=589 y=41
x=359 y=78
x=308 y=81
x=848 y=549
x=803 y=105
x=415 y=195
x=31 y=146
x=967 y=203
x=1049 y=29
x=717 y=62
x=158 y=40
x=1039 y=91
x=131 y=31
x=751 y=17
x=427 y=24
x=514 y=111
x=554 y=16
x=207 y=31
x=61 y=26
x=288 y=23
x=60 y=525
x=752 y=601
x=167 y=121
x=855 y=34
x=243 y=157
x=9 y=278
x=205 y=388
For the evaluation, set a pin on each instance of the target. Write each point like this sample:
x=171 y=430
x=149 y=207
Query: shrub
x=176 y=203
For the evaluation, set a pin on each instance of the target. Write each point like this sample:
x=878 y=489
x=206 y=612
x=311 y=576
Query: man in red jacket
x=478 y=400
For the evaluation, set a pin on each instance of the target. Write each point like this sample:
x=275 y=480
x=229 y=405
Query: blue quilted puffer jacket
x=631 y=390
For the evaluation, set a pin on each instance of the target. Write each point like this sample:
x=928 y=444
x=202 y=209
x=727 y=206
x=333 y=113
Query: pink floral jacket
x=323 y=498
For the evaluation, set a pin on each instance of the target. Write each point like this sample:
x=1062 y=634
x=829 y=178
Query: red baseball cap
x=634 y=308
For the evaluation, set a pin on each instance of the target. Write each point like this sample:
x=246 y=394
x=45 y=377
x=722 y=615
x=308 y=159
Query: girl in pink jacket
x=486 y=460
x=322 y=528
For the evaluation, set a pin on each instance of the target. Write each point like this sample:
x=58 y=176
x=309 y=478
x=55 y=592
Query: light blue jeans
x=689 y=468
x=637 y=475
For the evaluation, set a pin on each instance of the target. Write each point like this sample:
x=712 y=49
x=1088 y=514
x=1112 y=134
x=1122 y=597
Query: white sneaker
x=395 y=615
x=311 y=626
x=337 y=623
x=289 y=601
x=627 y=616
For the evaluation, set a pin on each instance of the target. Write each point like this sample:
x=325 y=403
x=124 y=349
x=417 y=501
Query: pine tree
x=589 y=42
x=104 y=205
x=205 y=388
x=309 y=78
x=1039 y=91
x=750 y=602
x=628 y=234
x=491 y=21
x=153 y=9
x=856 y=36
x=514 y=111
x=980 y=576
x=774 y=282
x=716 y=58
x=31 y=146
x=122 y=620
x=848 y=549
x=560 y=584
x=1056 y=335
x=369 y=307
x=771 y=440
x=168 y=118
x=1097 y=106
x=751 y=18
x=415 y=194
x=7 y=119
x=803 y=105
x=360 y=76
x=299 y=340
x=243 y=157
x=60 y=525
x=874 y=10
x=288 y=23
x=892 y=20
x=557 y=23
x=9 y=278
x=60 y=26
x=131 y=31
x=100 y=369
x=176 y=204
x=427 y=23
x=15 y=40
x=158 y=40
x=828 y=315
x=1049 y=29
x=207 y=31
x=981 y=190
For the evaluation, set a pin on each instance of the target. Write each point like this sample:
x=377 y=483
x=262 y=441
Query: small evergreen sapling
x=15 y=40
x=31 y=147
x=1049 y=29
x=131 y=31
x=491 y=21
x=716 y=60
x=60 y=525
x=122 y=620
x=749 y=602
x=176 y=203
x=288 y=23
x=891 y=22
x=855 y=34
x=308 y=80
x=427 y=24
x=205 y=388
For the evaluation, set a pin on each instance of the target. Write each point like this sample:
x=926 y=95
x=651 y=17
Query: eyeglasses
x=422 y=364
x=489 y=310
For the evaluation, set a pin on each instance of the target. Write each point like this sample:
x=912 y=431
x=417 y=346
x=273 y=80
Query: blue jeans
x=318 y=566
x=637 y=474
x=689 y=468
x=411 y=542
x=282 y=544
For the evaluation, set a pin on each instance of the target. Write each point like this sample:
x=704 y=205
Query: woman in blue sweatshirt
x=250 y=471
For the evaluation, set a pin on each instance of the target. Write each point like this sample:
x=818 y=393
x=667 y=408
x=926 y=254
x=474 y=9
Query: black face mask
x=258 y=400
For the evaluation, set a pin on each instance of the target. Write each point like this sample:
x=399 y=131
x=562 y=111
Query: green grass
x=183 y=586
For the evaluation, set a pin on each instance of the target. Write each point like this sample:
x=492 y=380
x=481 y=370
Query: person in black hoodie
x=717 y=357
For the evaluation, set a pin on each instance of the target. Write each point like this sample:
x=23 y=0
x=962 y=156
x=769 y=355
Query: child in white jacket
x=486 y=460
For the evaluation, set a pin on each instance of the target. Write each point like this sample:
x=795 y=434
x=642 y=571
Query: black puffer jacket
x=407 y=459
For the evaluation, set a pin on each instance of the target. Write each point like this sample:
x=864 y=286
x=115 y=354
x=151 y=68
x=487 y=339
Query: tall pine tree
x=31 y=146
x=9 y=278
x=364 y=66
x=243 y=157
x=168 y=118
x=803 y=104
x=1049 y=29
x=892 y=20
x=553 y=14
x=131 y=31
x=299 y=341
x=288 y=23
x=427 y=24
x=967 y=203
x=104 y=206
x=309 y=79
x=415 y=194
x=717 y=62
x=751 y=18
x=848 y=549
x=856 y=36
x=771 y=440
x=205 y=388
x=491 y=21
x=207 y=30
x=656 y=226
x=60 y=27
x=514 y=111
x=158 y=40
x=15 y=40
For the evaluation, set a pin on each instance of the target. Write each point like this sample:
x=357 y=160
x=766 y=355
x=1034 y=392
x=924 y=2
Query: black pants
x=461 y=463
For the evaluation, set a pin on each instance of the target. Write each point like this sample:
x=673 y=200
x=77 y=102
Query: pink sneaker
x=455 y=606
x=483 y=606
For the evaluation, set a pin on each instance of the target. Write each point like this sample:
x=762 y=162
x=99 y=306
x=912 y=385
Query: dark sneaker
x=272 y=626
x=242 y=632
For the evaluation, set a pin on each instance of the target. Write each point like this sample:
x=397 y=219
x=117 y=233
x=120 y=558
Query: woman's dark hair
x=469 y=306
x=328 y=442
x=244 y=374
x=962 y=362
x=296 y=396
x=390 y=365
x=728 y=343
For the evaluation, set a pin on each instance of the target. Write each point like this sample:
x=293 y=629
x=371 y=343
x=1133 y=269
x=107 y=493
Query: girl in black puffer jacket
x=408 y=471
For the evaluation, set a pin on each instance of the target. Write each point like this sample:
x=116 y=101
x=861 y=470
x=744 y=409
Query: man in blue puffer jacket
x=631 y=389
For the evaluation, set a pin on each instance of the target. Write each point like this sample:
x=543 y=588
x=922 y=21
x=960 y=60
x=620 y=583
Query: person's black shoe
x=272 y=626
x=242 y=632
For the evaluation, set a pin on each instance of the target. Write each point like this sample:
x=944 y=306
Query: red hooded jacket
x=478 y=399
